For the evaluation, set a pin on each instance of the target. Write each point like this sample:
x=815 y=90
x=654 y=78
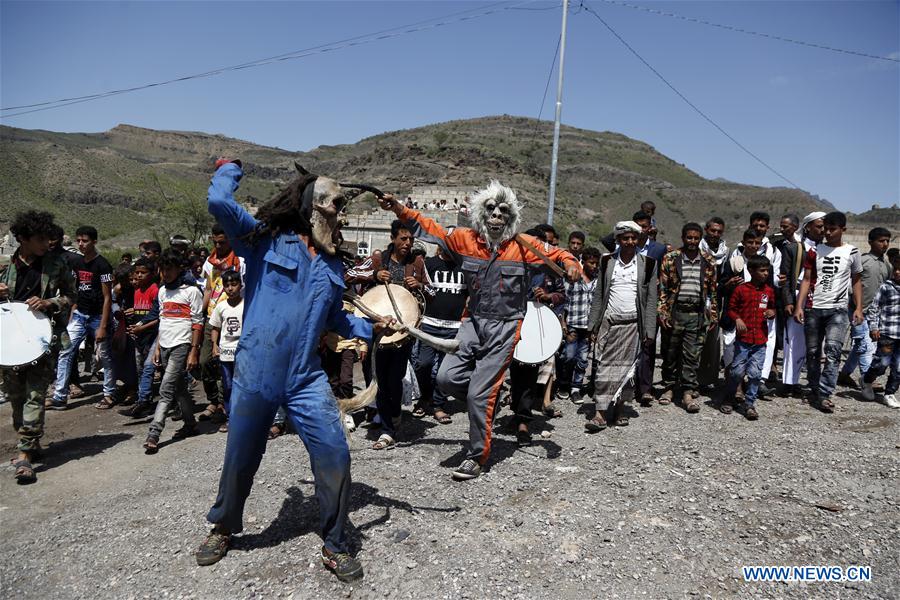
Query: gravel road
x=669 y=507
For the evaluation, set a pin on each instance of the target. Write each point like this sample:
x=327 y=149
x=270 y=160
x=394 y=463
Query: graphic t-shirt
x=831 y=271
x=144 y=302
x=228 y=320
x=445 y=294
x=90 y=276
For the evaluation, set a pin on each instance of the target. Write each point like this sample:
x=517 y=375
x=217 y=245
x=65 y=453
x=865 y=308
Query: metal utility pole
x=559 y=89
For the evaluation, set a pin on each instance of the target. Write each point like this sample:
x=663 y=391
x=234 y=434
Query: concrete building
x=370 y=231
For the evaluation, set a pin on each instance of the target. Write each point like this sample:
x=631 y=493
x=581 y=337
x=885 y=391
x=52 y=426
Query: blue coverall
x=290 y=298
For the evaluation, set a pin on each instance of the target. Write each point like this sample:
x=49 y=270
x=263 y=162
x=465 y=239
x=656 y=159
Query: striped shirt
x=689 y=292
x=180 y=311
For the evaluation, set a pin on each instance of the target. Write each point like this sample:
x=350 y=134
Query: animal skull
x=326 y=218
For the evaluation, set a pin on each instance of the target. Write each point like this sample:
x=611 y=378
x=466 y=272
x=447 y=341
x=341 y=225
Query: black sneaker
x=750 y=412
x=575 y=397
x=344 y=566
x=469 y=469
x=213 y=549
x=523 y=438
x=185 y=432
x=138 y=410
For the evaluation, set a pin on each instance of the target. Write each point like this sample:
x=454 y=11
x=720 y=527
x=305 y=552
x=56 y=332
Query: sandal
x=151 y=445
x=384 y=441
x=726 y=408
x=24 y=472
x=418 y=412
x=105 y=404
x=208 y=412
x=223 y=428
x=551 y=412
x=826 y=406
x=276 y=430
x=442 y=417
x=75 y=391
x=598 y=423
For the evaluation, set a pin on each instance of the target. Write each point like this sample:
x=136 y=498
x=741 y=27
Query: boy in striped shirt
x=178 y=350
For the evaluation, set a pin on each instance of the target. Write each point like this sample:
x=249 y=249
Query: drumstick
x=445 y=346
x=390 y=294
x=552 y=265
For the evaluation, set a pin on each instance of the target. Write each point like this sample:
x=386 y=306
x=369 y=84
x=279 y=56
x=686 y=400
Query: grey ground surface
x=669 y=507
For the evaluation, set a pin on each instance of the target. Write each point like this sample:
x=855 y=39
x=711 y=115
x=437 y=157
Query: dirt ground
x=671 y=506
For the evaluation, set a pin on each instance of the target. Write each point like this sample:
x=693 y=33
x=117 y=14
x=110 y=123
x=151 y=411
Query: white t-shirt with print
x=228 y=320
x=832 y=274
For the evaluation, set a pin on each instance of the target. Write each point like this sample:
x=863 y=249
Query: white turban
x=627 y=227
x=813 y=216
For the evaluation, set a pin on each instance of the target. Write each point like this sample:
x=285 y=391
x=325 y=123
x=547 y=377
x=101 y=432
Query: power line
x=748 y=31
x=384 y=34
x=549 y=77
x=683 y=97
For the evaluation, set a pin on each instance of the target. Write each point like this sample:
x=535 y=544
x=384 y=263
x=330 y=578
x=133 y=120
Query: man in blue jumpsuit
x=292 y=293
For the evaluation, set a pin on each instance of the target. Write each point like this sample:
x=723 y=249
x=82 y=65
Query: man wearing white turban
x=812 y=228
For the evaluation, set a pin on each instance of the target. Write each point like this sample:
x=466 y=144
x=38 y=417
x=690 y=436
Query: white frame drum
x=25 y=335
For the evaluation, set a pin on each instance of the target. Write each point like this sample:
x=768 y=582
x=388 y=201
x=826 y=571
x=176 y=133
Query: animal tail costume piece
x=498 y=271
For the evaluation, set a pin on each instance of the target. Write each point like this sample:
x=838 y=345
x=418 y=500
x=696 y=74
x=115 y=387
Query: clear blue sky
x=830 y=122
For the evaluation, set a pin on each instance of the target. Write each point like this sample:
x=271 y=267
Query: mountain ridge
x=127 y=178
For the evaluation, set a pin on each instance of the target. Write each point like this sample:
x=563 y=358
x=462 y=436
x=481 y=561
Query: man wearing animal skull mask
x=497 y=266
x=292 y=293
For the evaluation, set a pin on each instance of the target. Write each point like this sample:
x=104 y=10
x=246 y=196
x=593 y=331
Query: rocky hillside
x=130 y=181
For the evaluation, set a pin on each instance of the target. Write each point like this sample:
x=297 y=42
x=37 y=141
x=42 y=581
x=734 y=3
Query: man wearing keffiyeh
x=222 y=259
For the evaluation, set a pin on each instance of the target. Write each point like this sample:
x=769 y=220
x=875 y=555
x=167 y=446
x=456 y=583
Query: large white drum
x=378 y=300
x=25 y=335
x=541 y=335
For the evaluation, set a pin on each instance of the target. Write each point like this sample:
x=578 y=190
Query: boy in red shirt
x=143 y=326
x=751 y=304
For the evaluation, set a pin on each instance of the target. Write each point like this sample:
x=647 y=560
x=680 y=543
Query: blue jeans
x=314 y=413
x=748 y=360
x=426 y=362
x=226 y=369
x=574 y=360
x=861 y=351
x=824 y=327
x=887 y=355
x=78 y=329
x=147 y=369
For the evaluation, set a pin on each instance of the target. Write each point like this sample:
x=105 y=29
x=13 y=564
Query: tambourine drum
x=25 y=335
x=378 y=300
x=541 y=335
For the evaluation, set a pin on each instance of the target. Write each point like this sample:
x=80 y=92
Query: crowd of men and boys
x=174 y=315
